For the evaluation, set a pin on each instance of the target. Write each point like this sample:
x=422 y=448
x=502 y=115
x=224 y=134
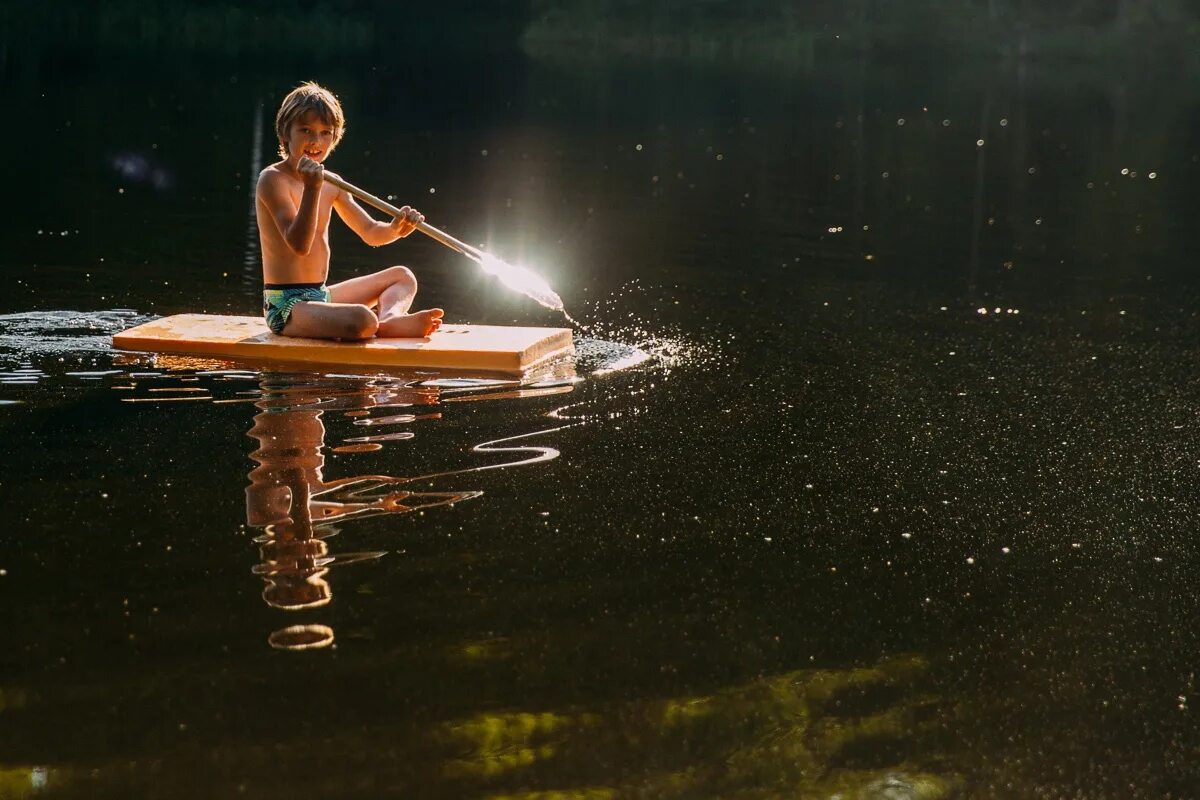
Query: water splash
x=66 y=333
x=616 y=344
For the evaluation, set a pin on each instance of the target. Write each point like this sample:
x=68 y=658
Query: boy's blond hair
x=309 y=96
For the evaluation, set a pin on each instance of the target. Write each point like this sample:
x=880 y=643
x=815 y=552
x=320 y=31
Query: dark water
x=900 y=505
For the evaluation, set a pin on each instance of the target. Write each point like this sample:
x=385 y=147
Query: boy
x=293 y=205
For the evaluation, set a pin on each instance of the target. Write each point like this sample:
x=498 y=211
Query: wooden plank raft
x=486 y=348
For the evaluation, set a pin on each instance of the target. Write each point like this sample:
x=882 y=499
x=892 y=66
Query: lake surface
x=897 y=501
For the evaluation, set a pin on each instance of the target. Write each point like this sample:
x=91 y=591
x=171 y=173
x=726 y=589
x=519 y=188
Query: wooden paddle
x=388 y=208
x=517 y=278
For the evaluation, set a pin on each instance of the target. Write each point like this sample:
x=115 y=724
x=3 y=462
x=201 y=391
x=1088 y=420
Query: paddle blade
x=523 y=280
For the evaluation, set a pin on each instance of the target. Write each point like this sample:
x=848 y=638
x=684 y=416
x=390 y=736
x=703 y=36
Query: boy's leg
x=395 y=285
x=331 y=321
x=392 y=290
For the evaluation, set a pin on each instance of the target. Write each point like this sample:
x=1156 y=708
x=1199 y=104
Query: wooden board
x=486 y=348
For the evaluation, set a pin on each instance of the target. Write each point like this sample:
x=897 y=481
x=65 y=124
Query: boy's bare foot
x=415 y=325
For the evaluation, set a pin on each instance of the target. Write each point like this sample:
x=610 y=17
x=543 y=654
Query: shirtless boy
x=293 y=207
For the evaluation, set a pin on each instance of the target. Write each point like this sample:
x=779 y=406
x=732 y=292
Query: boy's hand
x=407 y=222
x=312 y=174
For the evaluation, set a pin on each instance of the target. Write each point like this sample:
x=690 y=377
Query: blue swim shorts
x=280 y=298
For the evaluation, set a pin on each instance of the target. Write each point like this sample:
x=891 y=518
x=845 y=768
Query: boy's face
x=310 y=136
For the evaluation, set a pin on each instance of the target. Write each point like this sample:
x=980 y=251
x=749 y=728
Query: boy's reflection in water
x=296 y=508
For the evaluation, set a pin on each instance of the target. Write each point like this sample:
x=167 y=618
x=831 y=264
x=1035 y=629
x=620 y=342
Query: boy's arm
x=298 y=226
x=370 y=230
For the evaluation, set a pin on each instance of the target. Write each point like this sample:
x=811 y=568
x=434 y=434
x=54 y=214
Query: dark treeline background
x=783 y=29
x=264 y=27
x=749 y=29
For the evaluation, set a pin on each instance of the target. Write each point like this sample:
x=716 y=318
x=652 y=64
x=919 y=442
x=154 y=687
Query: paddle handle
x=388 y=208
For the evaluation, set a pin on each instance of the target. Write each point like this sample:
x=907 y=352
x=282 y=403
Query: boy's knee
x=402 y=275
x=358 y=322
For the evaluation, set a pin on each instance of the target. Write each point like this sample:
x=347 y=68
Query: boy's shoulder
x=273 y=174
x=275 y=182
